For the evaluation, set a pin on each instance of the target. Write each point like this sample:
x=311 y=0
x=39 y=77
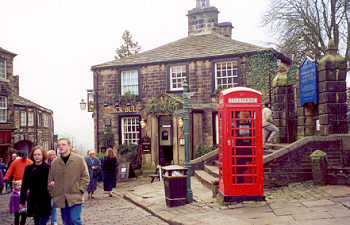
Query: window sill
x=4 y=80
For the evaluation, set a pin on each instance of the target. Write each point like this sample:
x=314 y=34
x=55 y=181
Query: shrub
x=129 y=153
x=203 y=149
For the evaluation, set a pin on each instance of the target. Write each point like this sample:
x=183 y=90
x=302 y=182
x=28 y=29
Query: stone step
x=268 y=151
x=212 y=170
x=274 y=146
x=216 y=163
x=205 y=178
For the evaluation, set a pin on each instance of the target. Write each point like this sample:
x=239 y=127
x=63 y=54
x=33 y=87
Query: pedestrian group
x=44 y=182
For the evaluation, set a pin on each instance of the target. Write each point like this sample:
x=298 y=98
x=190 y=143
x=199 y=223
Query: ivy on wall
x=261 y=70
x=164 y=104
x=106 y=139
x=127 y=98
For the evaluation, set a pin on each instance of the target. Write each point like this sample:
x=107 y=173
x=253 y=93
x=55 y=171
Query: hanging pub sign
x=90 y=100
x=308 y=82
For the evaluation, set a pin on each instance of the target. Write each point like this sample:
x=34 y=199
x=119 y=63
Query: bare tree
x=307 y=25
x=129 y=47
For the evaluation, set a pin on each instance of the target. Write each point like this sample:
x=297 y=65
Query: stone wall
x=293 y=163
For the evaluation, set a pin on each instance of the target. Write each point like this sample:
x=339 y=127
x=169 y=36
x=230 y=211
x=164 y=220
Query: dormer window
x=3 y=69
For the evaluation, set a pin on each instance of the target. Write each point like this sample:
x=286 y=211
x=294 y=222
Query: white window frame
x=39 y=117
x=46 y=145
x=177 y=75
x=23 y=118
x=3 y=69
x=129 y=82
x=30 y=119
x=3 y=109
x=130 y=129
x=45 y=120
x=224 y=72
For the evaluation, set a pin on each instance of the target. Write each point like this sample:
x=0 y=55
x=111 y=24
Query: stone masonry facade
x=23 y=124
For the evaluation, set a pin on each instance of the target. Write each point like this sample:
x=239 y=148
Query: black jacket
x=35 y=184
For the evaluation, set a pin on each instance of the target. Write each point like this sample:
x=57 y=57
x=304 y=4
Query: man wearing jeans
x=68 y=180
x=269 y=129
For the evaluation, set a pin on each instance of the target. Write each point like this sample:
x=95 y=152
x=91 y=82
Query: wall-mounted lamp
x=143 y=123
x=82 y=105
x=180 y=122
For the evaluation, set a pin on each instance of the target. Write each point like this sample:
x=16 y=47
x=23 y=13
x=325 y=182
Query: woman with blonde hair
x=109 y=168
x=34 y=182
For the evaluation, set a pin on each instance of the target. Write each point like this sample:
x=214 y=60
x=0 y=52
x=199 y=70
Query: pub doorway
x=165 y=140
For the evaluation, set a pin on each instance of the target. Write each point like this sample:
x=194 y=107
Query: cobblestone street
x=103 y=210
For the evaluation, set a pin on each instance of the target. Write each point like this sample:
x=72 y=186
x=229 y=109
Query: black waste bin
x=175 y=185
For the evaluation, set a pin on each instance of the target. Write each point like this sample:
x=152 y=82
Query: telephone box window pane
x=244 y=149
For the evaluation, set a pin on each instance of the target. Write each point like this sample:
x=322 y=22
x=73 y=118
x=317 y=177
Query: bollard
x=319 y=167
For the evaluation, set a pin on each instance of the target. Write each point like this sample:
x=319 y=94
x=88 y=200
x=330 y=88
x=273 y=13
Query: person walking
x=34 y=187
x=8 y=183
x=269 y=129
x=2 y=183
x=51 y=155
x=68 y=180
x=17 y=167
x=109 y=169
x=94 y=167
x=20 y=215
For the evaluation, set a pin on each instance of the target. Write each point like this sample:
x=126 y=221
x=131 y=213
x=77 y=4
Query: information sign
x=308 y=82
x=123 y=173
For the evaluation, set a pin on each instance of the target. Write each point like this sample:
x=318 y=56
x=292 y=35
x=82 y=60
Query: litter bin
x=174 y=177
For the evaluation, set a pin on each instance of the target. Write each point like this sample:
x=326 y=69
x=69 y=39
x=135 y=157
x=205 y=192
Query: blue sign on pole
x=308 y=82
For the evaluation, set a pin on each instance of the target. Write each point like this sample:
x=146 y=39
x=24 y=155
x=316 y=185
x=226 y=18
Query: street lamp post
x=82 y=105
x=186 y=107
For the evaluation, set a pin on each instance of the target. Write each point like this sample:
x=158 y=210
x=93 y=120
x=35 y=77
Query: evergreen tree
x=128 y=48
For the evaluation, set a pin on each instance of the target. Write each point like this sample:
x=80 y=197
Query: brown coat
x=71 y=180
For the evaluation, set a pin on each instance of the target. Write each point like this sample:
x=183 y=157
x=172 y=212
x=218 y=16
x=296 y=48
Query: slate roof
x=18 y=100
x=7 y=52
x=192 y=47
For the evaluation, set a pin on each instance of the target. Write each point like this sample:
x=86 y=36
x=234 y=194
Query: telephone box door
x=241 y=175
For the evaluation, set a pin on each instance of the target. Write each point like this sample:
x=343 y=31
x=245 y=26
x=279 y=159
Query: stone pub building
x=208 y=58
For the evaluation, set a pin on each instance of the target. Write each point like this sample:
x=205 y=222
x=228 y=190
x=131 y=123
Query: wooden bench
x=154 y=176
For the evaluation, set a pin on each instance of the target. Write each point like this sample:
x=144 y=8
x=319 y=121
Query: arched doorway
x=24 y=147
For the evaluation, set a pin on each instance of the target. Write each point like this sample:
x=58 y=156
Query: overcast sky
x=57 y=42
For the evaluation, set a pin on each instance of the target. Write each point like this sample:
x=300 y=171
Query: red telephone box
x=241 y=169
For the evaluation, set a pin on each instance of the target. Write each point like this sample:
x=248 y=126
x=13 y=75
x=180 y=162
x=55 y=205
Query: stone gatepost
x=332 y=92
x=280 y=103
x=319 y=167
